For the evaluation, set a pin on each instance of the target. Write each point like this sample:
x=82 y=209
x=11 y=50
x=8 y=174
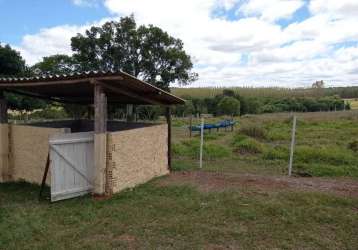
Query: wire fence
x=302 y=144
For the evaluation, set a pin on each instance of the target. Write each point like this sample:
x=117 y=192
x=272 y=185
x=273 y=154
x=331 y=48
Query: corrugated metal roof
x=56 y=77
x=77 y=87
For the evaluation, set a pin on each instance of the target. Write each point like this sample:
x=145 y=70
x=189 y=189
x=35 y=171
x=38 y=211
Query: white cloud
x=271 y=10
x=48 y=42
x=336 y=9
x=86 y=3
x=252 y=51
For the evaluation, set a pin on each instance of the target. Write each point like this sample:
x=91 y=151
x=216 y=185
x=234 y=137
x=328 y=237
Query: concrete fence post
x=201 y=142
x=292 y=148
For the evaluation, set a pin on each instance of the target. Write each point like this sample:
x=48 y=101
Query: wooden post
x=3 y=109
x=130 y=116
x=4 y=141
x=89 y=113
x=292 y=145
x=100 y=139
x=169 y=122
x=43 y=183
x=201 y=142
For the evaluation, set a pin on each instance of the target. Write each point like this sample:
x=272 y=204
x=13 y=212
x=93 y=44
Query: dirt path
x=213 y=181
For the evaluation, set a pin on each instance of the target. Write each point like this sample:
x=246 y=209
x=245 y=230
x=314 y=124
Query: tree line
x=232 y=103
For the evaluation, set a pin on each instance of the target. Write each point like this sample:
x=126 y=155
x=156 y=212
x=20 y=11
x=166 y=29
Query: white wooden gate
x=72 y=165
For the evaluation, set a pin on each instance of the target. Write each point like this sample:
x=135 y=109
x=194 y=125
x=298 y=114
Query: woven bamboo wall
x=28 y=148
x=136 y=156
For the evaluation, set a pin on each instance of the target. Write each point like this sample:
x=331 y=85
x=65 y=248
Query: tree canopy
x=56 y=64
x=146 y=52
x=11 y=63
x=229 y=106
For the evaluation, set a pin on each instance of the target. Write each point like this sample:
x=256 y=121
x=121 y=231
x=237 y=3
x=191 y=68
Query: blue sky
x=232 y=42
x=21 y=17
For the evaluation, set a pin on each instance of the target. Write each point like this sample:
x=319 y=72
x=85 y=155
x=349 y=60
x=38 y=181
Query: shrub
x=276 y=153
x=331 y=155
x=253 y=130
x=229 y=106
x=353 y=146
x=321 y=170
x=278 y=135
x=248 y=146
x=50 y=112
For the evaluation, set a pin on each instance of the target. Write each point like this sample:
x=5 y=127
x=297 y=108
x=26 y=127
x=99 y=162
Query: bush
x=276 y=153
x=246 y=145
x=253 y=130
x=250 y=146
x=353 y=146
x=229 y=106
x=50 y=112
x=321 y=170
x=278 y=135
x=331 y=155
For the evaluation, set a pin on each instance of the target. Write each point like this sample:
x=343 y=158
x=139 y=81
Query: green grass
x=325 y=145
x=190 y=148
x=154 y=216
x=173 y=217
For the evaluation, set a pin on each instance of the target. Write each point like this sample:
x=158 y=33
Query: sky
x=251 y=43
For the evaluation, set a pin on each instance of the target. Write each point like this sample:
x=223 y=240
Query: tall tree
x=56 y=64
x=146 y=52
x=11 y=63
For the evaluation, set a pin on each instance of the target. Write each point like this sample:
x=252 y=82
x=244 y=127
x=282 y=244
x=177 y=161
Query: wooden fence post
x=169 y=122
x=100 y=139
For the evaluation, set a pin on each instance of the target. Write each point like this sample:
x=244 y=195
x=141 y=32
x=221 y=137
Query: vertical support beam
x=4 y=141
x=100 y=139
x=130 y=115
x=169 y=122
x=89 y=113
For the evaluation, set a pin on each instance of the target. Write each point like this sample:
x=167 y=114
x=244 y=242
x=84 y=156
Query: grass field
x=241 y=199
x=325 y=145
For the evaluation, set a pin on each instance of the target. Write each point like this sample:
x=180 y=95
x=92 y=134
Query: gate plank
x=72 y=165
x=69 y=162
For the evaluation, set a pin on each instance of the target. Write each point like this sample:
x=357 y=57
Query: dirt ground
x=215 y=181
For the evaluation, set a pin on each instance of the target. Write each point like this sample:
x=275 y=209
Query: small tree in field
x=229 y=106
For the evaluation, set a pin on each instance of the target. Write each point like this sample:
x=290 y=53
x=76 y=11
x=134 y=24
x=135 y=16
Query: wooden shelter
x=104 y=140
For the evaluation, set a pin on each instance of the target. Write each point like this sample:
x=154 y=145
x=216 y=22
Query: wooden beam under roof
x=128 y=93
x=47 y=98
